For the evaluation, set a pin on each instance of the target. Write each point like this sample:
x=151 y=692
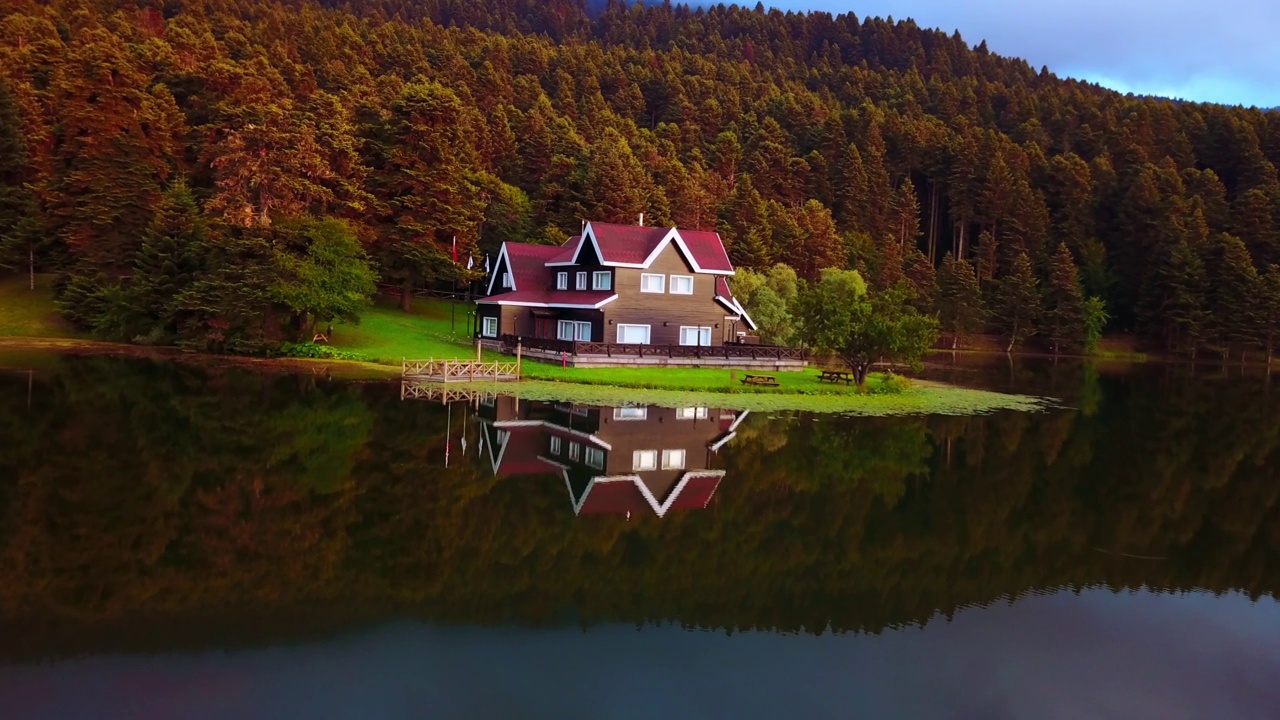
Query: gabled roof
x=527 y=264
x=638 y=246
x=725 y=297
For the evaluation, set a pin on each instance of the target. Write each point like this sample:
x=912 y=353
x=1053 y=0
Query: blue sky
x=1224 y=51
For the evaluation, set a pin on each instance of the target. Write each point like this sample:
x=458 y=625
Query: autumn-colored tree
x=1016 y=307
x=1063 y=321
x=959 y=299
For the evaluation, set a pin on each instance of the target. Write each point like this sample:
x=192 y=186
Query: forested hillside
x=180 y=162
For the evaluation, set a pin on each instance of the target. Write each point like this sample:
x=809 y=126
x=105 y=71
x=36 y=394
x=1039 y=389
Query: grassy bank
x=30 y=313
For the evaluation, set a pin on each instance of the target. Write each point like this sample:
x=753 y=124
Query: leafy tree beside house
x=770 y=298
x=838 y=315
x=329 y=279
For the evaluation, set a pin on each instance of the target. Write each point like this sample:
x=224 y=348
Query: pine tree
x=171 y=259
x=1179 y=291
x=960 y=305
x=1017 y=302
x=922 y=277
x=20 y=238
x=1233 y=292
x=1064 y=304
x=619 y=188
x=1268 y=315
x=988 y=258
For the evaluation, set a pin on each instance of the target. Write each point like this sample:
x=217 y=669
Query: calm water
x=184 y=542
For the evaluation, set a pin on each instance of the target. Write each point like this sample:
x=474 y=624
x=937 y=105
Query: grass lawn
x=387 y=335
x=27 y=313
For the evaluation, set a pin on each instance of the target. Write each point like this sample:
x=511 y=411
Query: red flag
x=455 y=248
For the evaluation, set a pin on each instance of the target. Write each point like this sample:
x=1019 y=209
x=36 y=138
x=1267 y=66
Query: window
x=630 y=413
x=681 y=284
x=691 y=413
x=642 y=460
x=562 y=281
x=695 y=336
x=595 y=458
x=555 y=445
x=633 y=334
x=573 y=330
x=673 y=459
x=490 y=328
x=601 y=280
x=653 y=283
x=506 y=280
x=575 y=451
x=582 y=281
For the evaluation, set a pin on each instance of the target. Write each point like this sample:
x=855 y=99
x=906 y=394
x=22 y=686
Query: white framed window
x=691 y=413
x=575 y=451
x=633 y=334
x=601 y=280
x=695 y=335
x=595 y=458
x=652 y=283
x=630 y=413
x=642 y=460
x=562 y=281
x=573 y=330
x=582 y=281
x=489 y=327
x=673 y=459
x=506 y=280
x=681 y=284
x=555 y=445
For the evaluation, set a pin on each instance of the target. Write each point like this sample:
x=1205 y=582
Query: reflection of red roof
x=560 y=298
x=519 y=455
x=613 y=496
x=697 y=491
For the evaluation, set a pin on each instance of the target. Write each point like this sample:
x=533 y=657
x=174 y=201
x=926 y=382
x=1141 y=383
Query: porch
x=579 y=353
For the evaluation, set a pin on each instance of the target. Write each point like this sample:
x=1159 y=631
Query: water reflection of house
x=626 y=460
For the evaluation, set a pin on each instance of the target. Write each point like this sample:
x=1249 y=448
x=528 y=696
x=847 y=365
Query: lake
x=184 y=541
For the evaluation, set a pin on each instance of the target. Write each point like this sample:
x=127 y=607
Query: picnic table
x=748 y=379
x=835 y=376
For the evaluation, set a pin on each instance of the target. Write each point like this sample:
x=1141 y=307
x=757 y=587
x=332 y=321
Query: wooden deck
x=451 y=371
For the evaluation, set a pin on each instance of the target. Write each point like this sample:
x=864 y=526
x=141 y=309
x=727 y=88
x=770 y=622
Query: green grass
x=27 y=313
x=387 y=335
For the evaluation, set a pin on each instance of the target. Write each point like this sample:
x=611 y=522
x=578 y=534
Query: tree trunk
x=406 y=296
x=31 y=265
x=955 y=340
x=860 y=373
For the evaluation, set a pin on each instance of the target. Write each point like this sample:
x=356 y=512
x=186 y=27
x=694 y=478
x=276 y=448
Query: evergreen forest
x=223 y=174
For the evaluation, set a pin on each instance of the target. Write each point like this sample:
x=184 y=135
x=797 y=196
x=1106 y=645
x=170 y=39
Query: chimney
x=641 y=219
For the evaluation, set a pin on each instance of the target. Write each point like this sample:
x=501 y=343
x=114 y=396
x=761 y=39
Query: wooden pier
x=421 y=390
x=452 y=371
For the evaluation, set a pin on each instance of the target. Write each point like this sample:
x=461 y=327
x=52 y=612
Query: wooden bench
x=760 y=380
x=835 y=376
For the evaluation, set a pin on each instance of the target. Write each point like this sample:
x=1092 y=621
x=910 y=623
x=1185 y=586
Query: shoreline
x=922 y=397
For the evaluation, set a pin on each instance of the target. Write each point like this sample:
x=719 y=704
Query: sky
x=1223 y=51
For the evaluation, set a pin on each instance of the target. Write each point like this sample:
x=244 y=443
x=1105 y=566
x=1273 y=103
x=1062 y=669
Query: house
x=633 y=461
x=615 y=284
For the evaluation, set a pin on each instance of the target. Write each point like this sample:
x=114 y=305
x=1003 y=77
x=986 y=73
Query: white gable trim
x=521 y=303
x=543 y=423
x=503 y=261
x=673 y=235
x=735 y=306
x=658 y=508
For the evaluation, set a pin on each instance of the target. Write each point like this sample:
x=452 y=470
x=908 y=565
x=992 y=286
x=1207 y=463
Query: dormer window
x=601 y=280
x=562 y=281
x=506 y=281
x=582 y=281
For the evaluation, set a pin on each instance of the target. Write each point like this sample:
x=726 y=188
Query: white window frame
x=489 y=326
x=648 y=334
x=631 y=413
x=692 y=413
x=577 y=330
x=556 y=445
x=601 y=280
x=506 y=280
x=595 y=457
x=662 y=283
x=673 y=289
x=562 y=281
x=644 y=460
x=581 y=281
x=669 y=461
x=703 y=338
x=575 y=451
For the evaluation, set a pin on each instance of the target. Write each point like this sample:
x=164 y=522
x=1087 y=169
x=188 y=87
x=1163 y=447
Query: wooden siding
x=653 y=309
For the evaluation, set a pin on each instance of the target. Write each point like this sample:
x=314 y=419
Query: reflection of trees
x=138 y=486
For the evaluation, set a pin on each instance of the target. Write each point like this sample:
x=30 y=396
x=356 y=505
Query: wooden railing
x=728 y=351
x=459 y=370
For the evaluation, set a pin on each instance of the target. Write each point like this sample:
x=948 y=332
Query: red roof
x=630 y=244
x=707 y=250
x=567 y=251
x=529 y=264
x=519 y=455
x=561 y=298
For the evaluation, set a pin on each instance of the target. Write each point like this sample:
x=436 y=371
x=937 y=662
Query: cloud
x=1216 y=52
